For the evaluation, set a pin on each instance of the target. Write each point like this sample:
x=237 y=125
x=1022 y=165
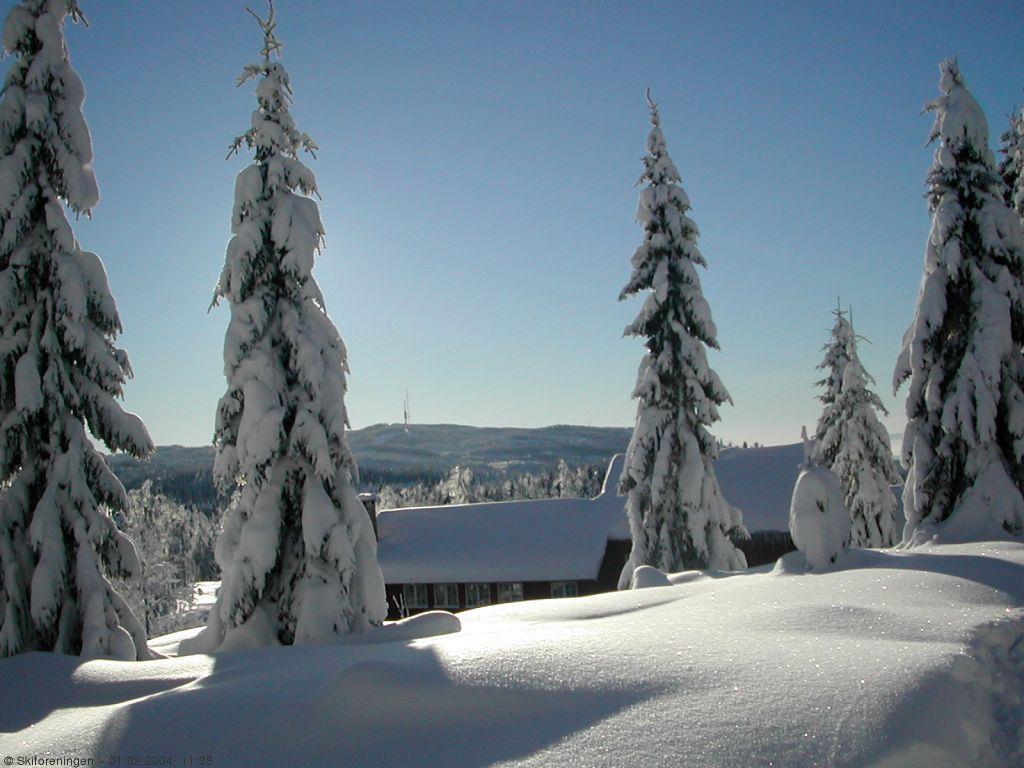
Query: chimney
x=370 y=504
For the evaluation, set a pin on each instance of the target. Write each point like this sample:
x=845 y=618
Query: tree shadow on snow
x=36 y=684
x=353 y=705
x=992 y=572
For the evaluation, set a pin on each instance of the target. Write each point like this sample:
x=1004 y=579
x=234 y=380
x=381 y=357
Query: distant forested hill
x=442 y=446
x=392 y=453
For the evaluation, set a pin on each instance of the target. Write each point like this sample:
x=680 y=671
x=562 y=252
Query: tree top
x=653 y=106
x=271 y=45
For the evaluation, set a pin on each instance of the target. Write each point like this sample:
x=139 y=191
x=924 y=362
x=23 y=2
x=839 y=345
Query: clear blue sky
x=477 y=167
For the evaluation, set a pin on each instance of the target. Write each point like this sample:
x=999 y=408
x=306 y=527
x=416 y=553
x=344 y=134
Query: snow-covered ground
x=893 y=658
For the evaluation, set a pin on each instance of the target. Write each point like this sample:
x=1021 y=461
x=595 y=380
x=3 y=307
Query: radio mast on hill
x=405 y=410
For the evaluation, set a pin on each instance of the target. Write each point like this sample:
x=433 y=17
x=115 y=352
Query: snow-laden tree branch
x=1012 y=166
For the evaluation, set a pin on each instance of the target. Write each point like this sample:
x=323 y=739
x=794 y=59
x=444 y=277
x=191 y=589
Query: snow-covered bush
x=854 y=444
x=819 y=521
x=964 y=441
x=60 y=373
x=678 y=518
x=298 y=553
x=647 y=576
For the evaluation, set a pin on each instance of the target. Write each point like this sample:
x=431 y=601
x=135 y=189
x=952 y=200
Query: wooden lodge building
x=455 y=557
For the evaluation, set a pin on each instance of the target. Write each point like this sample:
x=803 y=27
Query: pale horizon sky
x=477 y=171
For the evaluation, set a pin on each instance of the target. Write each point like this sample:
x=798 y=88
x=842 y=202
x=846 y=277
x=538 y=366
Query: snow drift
x=901 y=658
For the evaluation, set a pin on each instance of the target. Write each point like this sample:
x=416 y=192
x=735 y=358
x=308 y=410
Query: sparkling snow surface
x=891 y=658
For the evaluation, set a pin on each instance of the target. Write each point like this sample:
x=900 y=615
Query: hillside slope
x=441 y=446
x=421 y=447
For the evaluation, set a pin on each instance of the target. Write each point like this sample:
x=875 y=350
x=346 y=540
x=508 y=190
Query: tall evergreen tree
x=1012 y=166
x=964 y=441
x=59 y=369
x=677 y=514
x=297 y=552
x=853 y=443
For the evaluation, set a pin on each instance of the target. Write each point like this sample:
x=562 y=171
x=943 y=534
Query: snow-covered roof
x=536 y=540
x=760 y=482
x=562 y=539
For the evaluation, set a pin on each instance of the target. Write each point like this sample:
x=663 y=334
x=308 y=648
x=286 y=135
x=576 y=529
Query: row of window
x=447 y=595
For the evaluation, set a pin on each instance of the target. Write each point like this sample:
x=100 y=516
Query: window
x=414 y=595
x=478 y=594
x=446 y=595
x=564 y=589
x=510 y=593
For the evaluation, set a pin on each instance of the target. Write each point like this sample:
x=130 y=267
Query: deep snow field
x=893 y=658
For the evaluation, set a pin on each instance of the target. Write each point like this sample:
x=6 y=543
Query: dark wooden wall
x=766 y=547
x=762 y=547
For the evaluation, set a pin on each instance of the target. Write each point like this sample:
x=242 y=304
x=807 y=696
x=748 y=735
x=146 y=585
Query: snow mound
x=818 y=518
x=974 y=522
x=418 y=627
x=646 y=576
x=796 y=563
x=898 y=658
x=987 y=676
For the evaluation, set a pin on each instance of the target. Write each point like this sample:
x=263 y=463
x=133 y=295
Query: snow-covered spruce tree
x=297 y=552
x=677 y=515
x=59 y=368
x=1012 y=166
x=457 y=488
x=853 y=443
x=964 y=442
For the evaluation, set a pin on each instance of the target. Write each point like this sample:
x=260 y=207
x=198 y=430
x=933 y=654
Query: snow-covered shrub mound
x=818 y=518
x=645 y=576
x=418 y=627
